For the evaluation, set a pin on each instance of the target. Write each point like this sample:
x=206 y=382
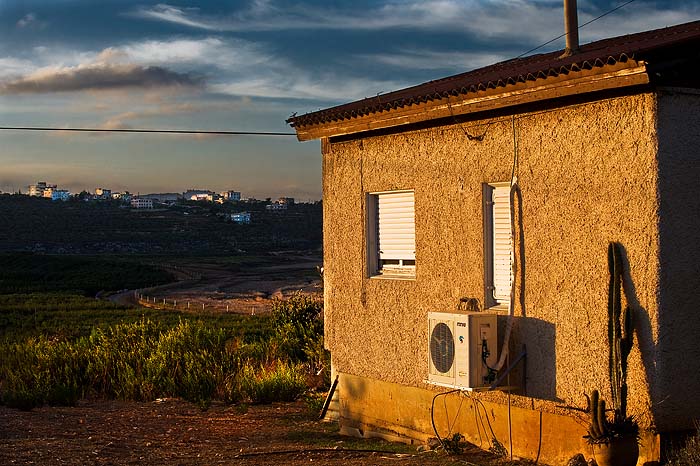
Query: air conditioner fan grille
x=442 y=347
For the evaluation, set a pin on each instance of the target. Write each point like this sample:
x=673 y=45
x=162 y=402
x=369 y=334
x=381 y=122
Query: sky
x=241 y=66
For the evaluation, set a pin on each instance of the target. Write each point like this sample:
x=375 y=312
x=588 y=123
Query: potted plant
x=615 y=442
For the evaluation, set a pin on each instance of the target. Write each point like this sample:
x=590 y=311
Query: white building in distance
x=38 y=189
x=141 y=203
x=231 y=195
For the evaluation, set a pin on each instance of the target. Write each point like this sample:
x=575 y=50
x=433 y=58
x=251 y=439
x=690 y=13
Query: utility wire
x=584 y=24
x=160 y=131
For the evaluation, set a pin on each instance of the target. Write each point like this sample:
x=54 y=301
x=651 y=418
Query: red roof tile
x=640 y=46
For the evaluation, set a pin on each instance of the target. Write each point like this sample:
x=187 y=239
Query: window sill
x=497 y=308
x=393 y=276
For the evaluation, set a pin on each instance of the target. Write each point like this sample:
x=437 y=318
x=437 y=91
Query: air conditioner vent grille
x=442 y=347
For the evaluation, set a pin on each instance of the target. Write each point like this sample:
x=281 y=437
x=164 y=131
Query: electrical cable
x=581 y=26
x=432 y=414
x=157 y=131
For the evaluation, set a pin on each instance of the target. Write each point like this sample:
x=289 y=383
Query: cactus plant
x=601 y=430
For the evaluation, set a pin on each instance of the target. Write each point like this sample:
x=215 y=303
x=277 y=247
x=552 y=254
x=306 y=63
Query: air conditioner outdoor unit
x=461 y=348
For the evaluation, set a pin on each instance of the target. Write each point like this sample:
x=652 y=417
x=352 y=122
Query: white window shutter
x=502 y=244
x=396 y=221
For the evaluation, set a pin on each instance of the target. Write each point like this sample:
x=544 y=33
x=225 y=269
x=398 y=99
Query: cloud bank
x=96 y=77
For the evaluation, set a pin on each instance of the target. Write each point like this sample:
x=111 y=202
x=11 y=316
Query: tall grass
x=689 y=454
x=191 y=359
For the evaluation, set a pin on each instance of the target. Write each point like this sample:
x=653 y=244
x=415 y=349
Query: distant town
x=157 y=200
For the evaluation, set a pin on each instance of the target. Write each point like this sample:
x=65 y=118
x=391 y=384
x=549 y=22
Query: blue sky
x=240 y=66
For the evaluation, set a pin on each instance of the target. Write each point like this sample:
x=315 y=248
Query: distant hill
x=40 y=225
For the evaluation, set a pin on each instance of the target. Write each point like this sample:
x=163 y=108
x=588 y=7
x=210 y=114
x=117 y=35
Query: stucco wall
x=588 y=176
x=675 y=394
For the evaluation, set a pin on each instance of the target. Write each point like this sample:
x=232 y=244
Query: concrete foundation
x=371 y=408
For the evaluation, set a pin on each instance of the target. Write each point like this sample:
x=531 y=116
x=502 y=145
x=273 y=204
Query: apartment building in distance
x=141 y=203
x=38 y=190
x=231 y=195
x=103 y=193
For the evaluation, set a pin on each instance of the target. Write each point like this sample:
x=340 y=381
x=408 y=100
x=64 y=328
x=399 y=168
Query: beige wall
x=588 y=176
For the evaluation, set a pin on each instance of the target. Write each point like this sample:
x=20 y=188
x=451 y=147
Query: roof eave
x=613 y=76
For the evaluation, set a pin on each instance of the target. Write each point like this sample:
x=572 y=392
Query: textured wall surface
x=675 y=395
x=588 y=176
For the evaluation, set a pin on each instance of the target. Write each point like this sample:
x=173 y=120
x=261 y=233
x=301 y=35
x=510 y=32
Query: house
x=141 y=203
x=103 y=193
x=39 y=189
x=276 y=207
x=231 y=195
x=241 y=217
x=59 y=194
x=601 y=145
x=198 y=195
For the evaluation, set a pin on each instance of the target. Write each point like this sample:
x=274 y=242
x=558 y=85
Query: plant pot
x=619 y=452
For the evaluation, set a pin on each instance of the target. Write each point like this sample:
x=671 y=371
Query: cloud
x=432 y=59
x=525 y=20
x=12 y=67
x=28 y=20
x=122 y=120
x=97 y=76
x=172 y=14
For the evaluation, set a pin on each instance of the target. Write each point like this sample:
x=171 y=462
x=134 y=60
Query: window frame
x=490 y=298
x=403 y=268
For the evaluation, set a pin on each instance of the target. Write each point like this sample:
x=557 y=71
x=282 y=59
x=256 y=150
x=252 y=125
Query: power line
x=133 y=130
x=584 y=24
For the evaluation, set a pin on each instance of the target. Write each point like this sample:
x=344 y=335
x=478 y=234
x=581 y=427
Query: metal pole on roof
x=571 y=26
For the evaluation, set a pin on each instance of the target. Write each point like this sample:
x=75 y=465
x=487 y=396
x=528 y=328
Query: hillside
x=76 y=227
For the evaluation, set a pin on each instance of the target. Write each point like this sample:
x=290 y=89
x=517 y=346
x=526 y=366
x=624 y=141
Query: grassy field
x=29 y=273
x=61 y=344
x=59 y=348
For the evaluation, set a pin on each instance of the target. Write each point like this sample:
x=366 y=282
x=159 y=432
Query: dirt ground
x=173 y=432
x=249 y=288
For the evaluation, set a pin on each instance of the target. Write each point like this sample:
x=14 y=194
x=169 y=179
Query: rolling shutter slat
x=502 y=244
x=396 y=232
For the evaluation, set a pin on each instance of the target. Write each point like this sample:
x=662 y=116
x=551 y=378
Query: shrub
x=116 y=365
x=298 y=326
x=190 y=361
x=689 y=455
x=281 y=382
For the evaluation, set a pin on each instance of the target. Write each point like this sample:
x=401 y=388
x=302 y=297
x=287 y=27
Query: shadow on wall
x=538 y=376
x=678 y=353
x=541 y=362
x=641 y=324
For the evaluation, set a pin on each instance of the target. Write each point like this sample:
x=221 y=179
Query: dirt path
x=246 y=288
x=173 y=432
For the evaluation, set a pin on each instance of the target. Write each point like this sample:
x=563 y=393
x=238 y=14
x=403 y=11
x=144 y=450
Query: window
x=498 y=244
x=391 y=234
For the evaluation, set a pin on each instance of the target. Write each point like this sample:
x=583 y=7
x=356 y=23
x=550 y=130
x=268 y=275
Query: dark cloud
x=98 y=77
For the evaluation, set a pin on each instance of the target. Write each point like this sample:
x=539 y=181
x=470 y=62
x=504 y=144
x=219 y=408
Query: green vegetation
x=59 y=344
x=227 y=357
x=28 y=273
x=191 y=229
x=68 y=316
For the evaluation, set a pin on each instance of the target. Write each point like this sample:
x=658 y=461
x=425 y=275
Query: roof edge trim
x=622 y=74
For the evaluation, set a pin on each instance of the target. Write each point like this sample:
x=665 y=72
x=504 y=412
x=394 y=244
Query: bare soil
x=248 y=288
x=174 y=432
